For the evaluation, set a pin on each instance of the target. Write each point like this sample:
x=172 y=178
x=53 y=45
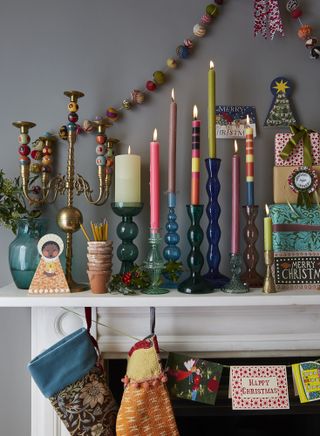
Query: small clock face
x=303 y=181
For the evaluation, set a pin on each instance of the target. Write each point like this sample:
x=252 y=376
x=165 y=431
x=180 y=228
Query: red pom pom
x=297 y=13
x=151 y=86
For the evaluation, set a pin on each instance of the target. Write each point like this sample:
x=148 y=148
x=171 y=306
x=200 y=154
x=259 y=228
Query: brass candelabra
x=69 y=218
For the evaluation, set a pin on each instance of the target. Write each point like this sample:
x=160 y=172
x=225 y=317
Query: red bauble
x=126 y=278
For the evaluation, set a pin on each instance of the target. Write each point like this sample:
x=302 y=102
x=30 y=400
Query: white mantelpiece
x=214 y=325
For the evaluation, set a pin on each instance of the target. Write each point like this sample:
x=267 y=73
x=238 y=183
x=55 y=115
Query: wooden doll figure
x=49 y=277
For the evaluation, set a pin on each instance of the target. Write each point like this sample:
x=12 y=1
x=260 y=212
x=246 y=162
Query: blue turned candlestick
x=213 y=210
x=172 y=252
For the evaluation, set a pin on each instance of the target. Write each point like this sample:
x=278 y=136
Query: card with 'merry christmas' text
x=259 y=387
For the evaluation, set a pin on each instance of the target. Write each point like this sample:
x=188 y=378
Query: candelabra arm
x=47 y=187
x=82 y=186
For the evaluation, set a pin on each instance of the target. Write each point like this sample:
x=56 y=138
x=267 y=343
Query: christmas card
x=259 y=387
x=231 y=121
x=306 y=376
x=192 y=378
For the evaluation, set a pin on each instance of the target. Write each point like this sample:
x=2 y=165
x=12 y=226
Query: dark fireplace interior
x=195 y=419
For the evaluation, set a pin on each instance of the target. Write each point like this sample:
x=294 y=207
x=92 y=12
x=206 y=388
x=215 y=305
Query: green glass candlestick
x=127 y=231
x=154 y=265
x=235 y=285
x=195 y=284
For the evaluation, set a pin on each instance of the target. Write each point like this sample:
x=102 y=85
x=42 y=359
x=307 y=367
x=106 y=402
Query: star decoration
x=281 y=86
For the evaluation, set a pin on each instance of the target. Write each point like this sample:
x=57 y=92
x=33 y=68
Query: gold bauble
x=69 y=219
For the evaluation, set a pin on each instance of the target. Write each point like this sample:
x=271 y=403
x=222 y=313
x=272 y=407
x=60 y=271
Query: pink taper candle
x=154 y=184
x=172 y=145
x=235 y=220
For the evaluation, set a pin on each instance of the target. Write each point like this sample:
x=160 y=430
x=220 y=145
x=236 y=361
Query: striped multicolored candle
x=249 y=164
x=195 y=167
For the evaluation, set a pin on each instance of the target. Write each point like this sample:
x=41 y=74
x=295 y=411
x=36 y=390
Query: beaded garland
x=137 y=96
x=305 y=30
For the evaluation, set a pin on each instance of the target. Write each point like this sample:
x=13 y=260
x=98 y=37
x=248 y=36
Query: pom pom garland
x=305 y=30
x=112 y=113
x=137 y=96
x=159 y=77
x=151 y=86
x=171 y=63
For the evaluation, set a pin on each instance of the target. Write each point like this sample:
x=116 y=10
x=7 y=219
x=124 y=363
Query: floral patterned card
x=193 y=379
x=259 y=387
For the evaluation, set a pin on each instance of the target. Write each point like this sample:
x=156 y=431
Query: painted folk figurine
x=49 y=277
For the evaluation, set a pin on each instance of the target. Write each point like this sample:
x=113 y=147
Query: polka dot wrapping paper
x=296 y=158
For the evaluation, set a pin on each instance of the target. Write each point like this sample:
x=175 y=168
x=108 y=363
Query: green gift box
x=295 y=228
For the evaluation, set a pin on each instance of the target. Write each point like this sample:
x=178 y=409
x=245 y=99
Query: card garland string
x=267 y=18
x=305 y=31
x=125 y=334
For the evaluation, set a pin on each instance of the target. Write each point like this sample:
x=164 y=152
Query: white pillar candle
x=127 y=178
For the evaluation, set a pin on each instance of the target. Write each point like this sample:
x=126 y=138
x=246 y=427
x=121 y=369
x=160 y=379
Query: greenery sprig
x=13 y=205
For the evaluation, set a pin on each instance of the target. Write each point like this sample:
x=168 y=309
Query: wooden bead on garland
x=205 y=19
x=315 y=52
x=126 y=104
x=188 y=43
x=171 y=63
x=137 y=96
x=151 y=86
x=159 y=77
x=112 y=114
x=182 y=52
x=212 y=10
x=199 y=30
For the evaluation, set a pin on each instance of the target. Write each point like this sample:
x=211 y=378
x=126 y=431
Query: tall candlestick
x=154 y=185
x=127 y=178
x=235 y=220
x=212 y=111
x=267 y=221
x=195 y=166
x=172 y=145
x=249 y=164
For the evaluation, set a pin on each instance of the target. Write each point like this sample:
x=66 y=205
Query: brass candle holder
x=69 y=218
x=268 y=283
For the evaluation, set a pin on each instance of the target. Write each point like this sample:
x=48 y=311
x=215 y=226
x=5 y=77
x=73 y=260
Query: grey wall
x=107 y=48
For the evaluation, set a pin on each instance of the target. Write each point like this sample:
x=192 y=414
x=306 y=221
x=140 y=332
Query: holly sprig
x=130 y=282
x=172 y=270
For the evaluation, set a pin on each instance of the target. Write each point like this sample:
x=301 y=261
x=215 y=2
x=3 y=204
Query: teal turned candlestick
x=195 y=284
x=127 y=231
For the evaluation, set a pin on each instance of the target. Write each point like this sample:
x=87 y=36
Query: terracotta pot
x=99 y=258
x=98 y=281
x=99 y=266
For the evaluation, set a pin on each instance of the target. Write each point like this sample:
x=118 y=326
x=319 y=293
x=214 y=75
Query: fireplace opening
x=196 y=419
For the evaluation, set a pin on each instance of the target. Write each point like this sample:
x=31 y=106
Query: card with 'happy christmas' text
x=259 y=387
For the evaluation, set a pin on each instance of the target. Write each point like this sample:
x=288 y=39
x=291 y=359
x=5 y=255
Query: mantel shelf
x=11 y=296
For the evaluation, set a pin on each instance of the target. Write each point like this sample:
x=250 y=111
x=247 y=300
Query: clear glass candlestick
x=235 y=286
x=154 y=265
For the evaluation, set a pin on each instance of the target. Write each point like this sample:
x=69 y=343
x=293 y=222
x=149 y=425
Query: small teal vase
x=23 y=252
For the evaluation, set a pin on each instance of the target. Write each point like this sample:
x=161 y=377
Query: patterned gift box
x=296 y=157
x=282 y=193
x=295 y=228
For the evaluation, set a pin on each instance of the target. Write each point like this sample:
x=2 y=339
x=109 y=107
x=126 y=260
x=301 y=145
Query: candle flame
x=195 y=112
x=129 y=149
x=211 y=65
x=267 y=210
x=172 y=94
x=248 y=120
x=155 y=135
x=235 y=146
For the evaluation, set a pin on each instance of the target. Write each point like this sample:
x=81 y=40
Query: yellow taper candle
x=212 y=111
x=267 y=231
